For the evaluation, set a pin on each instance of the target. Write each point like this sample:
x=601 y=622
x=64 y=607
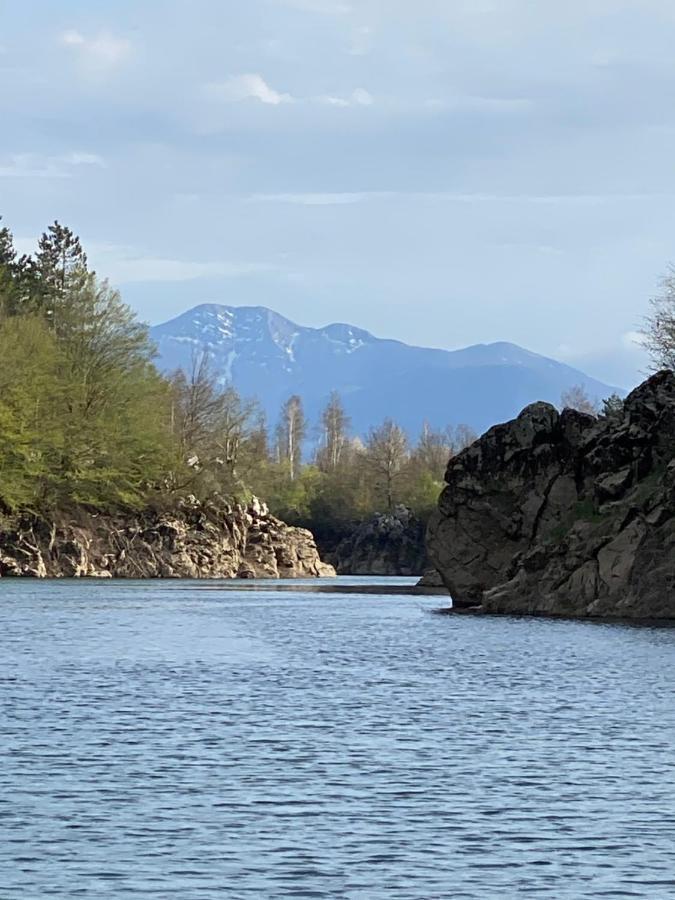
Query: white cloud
x=333 y=101
x=361 y=41
x=123 y=265
x=248 y=87
x=252 y=86
x=314 y=199
x=481 y=104
x=362 y=97
x=323 y=7
x=28 y=165
x=84 y=159
x=358 y=97
x=32 y=165
x=103 y=50
x=633 y=340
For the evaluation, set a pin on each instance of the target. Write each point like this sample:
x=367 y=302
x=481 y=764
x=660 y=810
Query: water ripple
x=162 y=741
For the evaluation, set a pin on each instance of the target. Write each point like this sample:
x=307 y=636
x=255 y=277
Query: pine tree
x=58 y=272
x=8 y=272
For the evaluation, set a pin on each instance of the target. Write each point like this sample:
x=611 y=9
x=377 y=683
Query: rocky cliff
x=198 y=540
x=387 y=544
x=564 y=514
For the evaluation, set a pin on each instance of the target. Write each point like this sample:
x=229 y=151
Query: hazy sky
x=444 y=172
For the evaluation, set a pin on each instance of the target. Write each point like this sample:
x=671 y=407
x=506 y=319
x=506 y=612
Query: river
x=182 y=740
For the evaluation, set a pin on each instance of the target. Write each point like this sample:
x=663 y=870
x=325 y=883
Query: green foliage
x=423 y=492
x=612 y=407
x=84 y=415
x=86 y=419
x=292 y=498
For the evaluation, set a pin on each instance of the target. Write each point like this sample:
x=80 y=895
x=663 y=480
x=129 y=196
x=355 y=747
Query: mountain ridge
x=264 y=354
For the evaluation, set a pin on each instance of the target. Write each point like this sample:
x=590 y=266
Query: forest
x=87 y=421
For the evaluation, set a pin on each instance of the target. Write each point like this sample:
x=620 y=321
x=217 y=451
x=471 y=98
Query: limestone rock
x=565 y=514
x=199 y=540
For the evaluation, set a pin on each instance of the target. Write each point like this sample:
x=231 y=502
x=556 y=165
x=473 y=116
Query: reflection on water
x=160 y=740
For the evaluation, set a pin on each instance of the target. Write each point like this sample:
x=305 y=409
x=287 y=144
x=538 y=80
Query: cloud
x=358 y=97
x=248 y=87
x=123 y=265
x=84 y=159
x=103 y=50
x=28 y=165
x=481 y=104
x=344 y=197
x=322 y=7
x=361 y=97
x=252 y=86
x=361 y=41
x=314 y=199
x=633 y=339
x=32 y=165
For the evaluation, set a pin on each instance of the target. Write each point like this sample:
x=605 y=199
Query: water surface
x=172 y=739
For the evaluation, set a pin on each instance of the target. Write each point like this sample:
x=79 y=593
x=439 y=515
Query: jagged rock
x=201 y=540
x=564 y=514
x=387 y=544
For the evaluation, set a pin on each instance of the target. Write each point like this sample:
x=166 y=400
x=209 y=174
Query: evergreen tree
x=8 y=272
x=612 y=406
x=58 y=273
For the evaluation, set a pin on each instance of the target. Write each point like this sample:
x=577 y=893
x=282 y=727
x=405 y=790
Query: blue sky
x=444 y=172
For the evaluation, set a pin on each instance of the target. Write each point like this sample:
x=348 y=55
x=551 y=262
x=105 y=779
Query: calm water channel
x=176 y=740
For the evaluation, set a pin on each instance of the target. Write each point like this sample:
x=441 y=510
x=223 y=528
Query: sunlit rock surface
x=199 y=540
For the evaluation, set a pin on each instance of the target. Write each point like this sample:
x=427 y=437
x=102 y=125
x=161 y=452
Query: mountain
x=267 y=356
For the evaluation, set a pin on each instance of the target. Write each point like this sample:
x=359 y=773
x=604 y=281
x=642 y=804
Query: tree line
x=87 y=420
x=229 y=447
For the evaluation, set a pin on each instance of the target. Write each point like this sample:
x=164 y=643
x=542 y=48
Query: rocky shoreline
x=563 y=514
x=197 y=540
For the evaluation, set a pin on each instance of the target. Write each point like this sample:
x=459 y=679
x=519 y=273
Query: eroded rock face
x=198 y=541
x=564 y=514
x=387 y=544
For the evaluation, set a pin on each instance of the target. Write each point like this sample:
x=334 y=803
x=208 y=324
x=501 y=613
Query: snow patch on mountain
x=268 y=356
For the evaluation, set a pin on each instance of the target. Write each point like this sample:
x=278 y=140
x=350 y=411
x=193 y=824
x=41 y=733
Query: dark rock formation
x=197 y=541
x=565 y=514
x=387 y=544
x=431 y=579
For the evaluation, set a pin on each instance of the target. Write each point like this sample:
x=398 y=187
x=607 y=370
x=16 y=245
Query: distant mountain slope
x=267 y=356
